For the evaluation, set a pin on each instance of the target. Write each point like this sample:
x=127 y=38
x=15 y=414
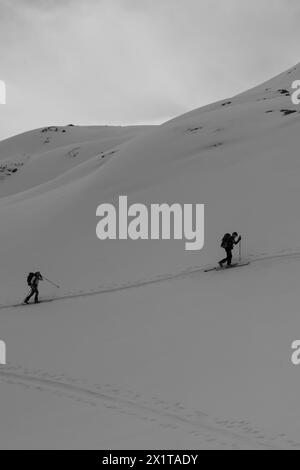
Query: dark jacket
x=231 y=242
x=35 y=281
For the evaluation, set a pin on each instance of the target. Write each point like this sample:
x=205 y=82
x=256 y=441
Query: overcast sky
x=136 y=61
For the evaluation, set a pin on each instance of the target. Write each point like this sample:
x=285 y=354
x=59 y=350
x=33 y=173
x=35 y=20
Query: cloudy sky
x=136 y=61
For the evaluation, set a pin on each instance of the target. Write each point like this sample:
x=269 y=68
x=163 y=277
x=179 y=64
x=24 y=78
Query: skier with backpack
x=33 y=280
x=228 y=243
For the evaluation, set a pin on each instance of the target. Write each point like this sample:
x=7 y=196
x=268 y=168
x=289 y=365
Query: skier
x=33 y=280
x=228 y=243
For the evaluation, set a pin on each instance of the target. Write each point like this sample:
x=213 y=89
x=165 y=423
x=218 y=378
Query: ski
x=26 y=305
x=235 y=265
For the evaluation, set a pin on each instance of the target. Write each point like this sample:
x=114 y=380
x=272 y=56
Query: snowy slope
x=37 y=157
x=184 y=359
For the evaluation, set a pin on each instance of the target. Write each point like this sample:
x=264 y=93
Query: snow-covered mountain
x=142 y=348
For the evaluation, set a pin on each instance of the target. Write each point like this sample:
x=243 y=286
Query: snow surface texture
x=141 y=348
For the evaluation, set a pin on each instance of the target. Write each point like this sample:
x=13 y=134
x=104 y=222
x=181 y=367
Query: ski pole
x=240 y=251
x=53 y=284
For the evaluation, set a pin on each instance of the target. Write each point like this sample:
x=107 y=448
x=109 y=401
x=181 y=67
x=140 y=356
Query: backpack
x=29 y=278
x=225 y=240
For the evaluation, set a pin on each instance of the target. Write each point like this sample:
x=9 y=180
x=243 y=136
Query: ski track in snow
x=211 y=432
x=284 y=255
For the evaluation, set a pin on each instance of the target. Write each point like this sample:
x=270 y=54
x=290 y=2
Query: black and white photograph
x=149 y=227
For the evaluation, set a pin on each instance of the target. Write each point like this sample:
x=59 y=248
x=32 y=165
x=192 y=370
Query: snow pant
x=228 y=258
x=34 y=292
